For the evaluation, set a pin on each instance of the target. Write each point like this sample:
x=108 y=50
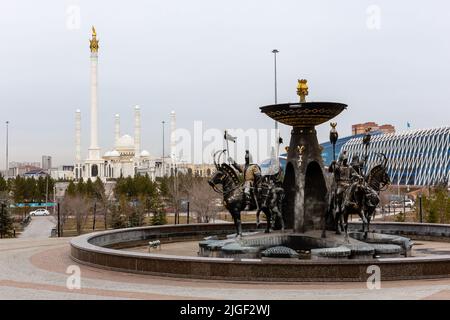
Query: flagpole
x=228 y=150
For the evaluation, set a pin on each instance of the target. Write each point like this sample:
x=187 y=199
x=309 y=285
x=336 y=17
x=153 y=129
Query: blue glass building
x=415 y=157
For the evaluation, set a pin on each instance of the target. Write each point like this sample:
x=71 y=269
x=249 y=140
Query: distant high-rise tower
x=46 y=162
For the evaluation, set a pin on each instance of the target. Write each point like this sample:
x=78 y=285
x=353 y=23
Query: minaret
x=78 y=137
x=77 y=172
x=173 y=126
x=116 y=129
x=137 y=132
x=94 y=150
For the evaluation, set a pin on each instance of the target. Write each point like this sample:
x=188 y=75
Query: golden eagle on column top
x=93 y=42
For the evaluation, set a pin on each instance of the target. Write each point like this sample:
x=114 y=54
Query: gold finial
x=302 y=89
x=94 y=42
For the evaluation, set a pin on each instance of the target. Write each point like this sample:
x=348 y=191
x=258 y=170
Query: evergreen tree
x=99 y=189
x=158 y=209
x=6 y=222
x=18 y=187
x=117 y=220
x=40 y=189
x=90 y=191
x=3 y=184
x=71 y=189
x=81 y=187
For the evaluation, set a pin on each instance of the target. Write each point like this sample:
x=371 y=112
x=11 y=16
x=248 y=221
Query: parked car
x=40 y=212
x=409 y=203
x=395 y=204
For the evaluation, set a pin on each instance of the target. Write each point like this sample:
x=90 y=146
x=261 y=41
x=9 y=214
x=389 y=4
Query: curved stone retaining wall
x=95 y=250
x=424 y=231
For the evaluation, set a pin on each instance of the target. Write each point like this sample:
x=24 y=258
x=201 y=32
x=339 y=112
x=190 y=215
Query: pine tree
x=71 y=189
x=81 y=187
x=90 y=192
x=6 y=222
x=99 y=189
x=116 y=220
x=158 y=209
x=18 y=187
x=3 y=184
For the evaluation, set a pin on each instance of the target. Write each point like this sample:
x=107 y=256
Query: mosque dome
x=125 y=142
x=145 y=154
x=114 y=153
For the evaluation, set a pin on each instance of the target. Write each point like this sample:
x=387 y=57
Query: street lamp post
x=277 y=142
x=162 y=165
x=187 y=220
x=275 y=51
x=46 y=192
x=7 y=149
x=420 y=208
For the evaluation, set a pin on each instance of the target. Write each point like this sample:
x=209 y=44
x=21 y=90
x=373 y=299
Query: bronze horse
x=233 y=193
x=376 y=181
x=353 y=203
x=270 y=198
x=361 y=197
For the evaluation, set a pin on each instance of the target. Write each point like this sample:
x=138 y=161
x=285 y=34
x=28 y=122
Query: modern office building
x=415 y=157
x=360 y=128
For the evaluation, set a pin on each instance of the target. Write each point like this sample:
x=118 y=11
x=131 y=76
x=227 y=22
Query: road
x=39 y=227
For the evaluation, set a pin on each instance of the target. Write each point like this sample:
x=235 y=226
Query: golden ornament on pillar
x=302 y=89
x=94 y=42
x=300 y=150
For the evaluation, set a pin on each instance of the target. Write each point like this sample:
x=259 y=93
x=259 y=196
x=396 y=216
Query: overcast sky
x=211 y=61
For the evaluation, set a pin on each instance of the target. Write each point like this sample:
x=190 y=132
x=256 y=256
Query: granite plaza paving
x=36 y=269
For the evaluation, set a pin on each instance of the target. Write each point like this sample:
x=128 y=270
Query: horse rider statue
x=344 y=175
x=252 y=177
x=358 y=164
x=371 y=194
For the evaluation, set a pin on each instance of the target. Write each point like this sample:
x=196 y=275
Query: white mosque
x=126 y=158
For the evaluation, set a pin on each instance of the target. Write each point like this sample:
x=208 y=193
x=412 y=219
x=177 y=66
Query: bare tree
x=204 y=202
x=78 y=207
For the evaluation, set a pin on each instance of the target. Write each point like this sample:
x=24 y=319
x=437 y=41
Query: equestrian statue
x=244 y=188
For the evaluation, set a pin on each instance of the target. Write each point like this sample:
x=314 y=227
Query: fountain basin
x=305 y=114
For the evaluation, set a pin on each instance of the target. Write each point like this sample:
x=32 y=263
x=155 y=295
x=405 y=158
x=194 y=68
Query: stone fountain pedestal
x=306 y=191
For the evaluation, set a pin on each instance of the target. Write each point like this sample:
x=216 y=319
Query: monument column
x=94 y=150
